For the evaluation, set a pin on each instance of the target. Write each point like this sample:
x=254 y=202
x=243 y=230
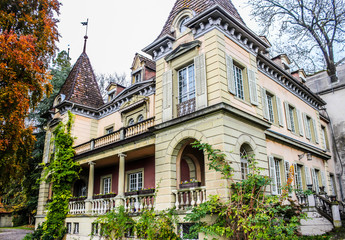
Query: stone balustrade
x=76 y=207
x=116 y=136
x=189 y=197
x=137 y=203
x=102 y=205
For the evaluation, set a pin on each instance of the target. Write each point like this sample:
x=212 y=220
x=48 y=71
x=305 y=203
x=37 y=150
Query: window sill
x=243 y=101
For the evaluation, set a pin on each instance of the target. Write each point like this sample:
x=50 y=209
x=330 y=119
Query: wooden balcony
x=116 y=136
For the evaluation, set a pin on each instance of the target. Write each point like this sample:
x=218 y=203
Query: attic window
x=182 y=28
x=137 y=77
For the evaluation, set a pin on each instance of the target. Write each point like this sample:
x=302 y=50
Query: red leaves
x=28 y=33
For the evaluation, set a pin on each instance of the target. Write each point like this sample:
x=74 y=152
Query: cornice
x=160 y=48
x=273 y=71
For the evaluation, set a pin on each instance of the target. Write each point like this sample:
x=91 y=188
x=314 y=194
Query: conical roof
x=81 y=86
x=198 y=6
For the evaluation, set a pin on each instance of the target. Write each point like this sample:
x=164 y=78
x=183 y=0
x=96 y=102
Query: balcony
x=188 y=198
x=186 y=107
x=116 y=136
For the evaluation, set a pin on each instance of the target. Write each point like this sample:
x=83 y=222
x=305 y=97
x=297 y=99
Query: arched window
x=245 y=153
x=181 y=25
x=131 y=122
x=140 y=118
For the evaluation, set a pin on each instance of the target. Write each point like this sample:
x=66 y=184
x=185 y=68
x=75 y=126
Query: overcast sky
x=117 y=29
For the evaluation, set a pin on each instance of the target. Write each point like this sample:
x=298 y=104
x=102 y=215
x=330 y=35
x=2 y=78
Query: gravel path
x=13 y=234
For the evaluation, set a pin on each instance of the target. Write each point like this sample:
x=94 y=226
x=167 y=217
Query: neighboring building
x=211 y=80
x=333 y=93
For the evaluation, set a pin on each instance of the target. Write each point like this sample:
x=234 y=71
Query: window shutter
x=264 y=103
x=306 y=127
x=200 y=81
x=167 y=95
x=324 y=182
x=253 y=91
x=299 y=120
x=280 y=112
x=230 y=74
x=287 y=115
x=295 y=174
x=307 y=175
x=273 y=175
x=287 y=170
x=315 y=132
x=47 y=148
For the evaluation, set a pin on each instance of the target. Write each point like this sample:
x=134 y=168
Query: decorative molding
x=160 y=48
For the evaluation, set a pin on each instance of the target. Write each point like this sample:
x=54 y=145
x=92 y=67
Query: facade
x=333 y=93
x=210 y=79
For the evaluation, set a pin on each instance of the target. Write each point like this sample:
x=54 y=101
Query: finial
x=85 y=37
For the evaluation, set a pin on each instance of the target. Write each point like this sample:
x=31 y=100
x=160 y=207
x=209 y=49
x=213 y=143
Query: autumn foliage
x=28 y=34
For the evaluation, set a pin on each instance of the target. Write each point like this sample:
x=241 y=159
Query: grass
x=26 y=227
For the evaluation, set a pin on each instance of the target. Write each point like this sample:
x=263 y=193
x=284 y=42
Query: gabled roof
x=197 y=6
x=81 y=86
x=148 y=62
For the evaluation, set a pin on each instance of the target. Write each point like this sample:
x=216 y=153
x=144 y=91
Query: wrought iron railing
x=116 y=136
x=186 y=107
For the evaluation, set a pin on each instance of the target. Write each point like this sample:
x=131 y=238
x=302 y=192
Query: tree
x=22 y=193
x=308 y=29
x=105 y=79
x=28 y=33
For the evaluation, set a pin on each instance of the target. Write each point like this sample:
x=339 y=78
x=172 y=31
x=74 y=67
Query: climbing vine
x=61 y=172
x=250 y=213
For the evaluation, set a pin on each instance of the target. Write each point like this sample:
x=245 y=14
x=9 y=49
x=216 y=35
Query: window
x=94 y=228
x=325 y=137
x=275 y=174
x=137 y=77
x=291 y=118
x=76 y=228
x=309 y=126
x=287 y=170
x=109 y=130
x=315 y=177
x=185 y=230
x=131 y=122
x=298 y=177
x=186 y=81
x=238 y=76
x=69 y=228
x=270 y=108
x=140 y=118
x=244 y=154
x=278 y=179
x=135 y=181
x=106 y=184
x=182 y=28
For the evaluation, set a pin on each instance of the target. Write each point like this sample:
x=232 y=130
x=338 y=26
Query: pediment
x=181 y=49
x=135 y=101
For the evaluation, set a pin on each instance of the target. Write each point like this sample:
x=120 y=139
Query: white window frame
x=278 y=175
x=109 y=130
x=190 y=93
x=239 y=82
x=298 y=176
x=244 y=163
x=137 y=77
x=275 y=175
x=76 y=228
x=109 y=176
x=131 y=173
x=270 y=107
x=69 y=227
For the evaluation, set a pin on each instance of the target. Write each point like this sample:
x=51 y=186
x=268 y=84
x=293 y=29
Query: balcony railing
x=137 y=203
x=77 y=207
x=102 y=205
x=110 y=138
x=188 y=198
x=186 y=107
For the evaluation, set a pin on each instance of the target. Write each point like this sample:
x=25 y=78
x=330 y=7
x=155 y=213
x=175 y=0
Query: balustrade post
x=92 y=144
x=336 y=214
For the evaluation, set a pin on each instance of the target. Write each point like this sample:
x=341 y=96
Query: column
x=121 y=183
x=90 y=187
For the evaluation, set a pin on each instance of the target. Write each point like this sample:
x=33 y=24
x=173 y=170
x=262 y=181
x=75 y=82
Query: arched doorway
x=190 y=165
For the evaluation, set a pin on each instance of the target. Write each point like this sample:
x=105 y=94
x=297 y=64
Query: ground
x=13 y=233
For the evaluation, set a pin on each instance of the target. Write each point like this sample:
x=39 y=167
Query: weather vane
x=85 y=37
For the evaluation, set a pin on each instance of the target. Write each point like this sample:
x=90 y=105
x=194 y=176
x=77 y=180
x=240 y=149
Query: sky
x=117 y=29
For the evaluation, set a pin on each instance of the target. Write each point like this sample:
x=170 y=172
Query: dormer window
x=182 y=28
x=137 y=77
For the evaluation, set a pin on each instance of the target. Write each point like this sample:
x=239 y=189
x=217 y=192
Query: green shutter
x=306 y=126
x=280 y=112
x=167 y=95
x=315 y=132
x=307 y=175
x=287 y=115
x=200 y=82
x=253 y=91
x=230 y=74
x=299 y=119
x=264 y=103
x=273 y=175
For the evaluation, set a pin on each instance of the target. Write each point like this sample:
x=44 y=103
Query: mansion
x=210 y=78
